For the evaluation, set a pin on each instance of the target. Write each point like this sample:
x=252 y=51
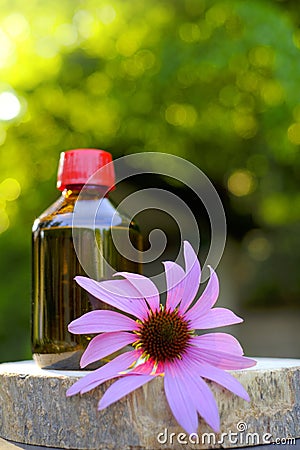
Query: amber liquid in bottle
x=57 y=299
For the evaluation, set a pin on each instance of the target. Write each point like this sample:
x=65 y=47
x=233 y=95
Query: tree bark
x=34 y=409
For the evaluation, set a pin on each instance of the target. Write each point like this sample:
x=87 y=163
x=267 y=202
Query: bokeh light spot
x=181 y=115
x=275 y=209
x=66 y=34
x=217 y=14
x=294 y=133
x=205 y=30
x=46 y=47
x=7 y=50
x=16 y=26
x=245 y=125
x=272 y=93
x=161 y=14
x=262 y=56
x=129 y=42
x=4 y=221
x=146 y=58
x=85 y=23
x=10 y=189
x=258 y=246
x=241 y=183
x=10 y=106
x=189 y=32
x=245 y=103
x=138 y=63
x=107 y=14
x=99 y=83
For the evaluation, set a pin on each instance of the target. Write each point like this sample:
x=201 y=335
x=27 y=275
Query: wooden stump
x=34 y=410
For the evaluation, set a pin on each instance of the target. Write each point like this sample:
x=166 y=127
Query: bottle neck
x=89 y=191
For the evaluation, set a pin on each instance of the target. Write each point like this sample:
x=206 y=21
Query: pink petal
x=143 y=369
x=204 y=402
x=175 y=277
x=221 y=359
x=145 y=287
x=208 y=298
x=216 y=317
x=224 y=379
x=99 y=321
x=160 y=369
x=117 y=293
x=104 y=345
x=198 y=392
x=104 y=373
x=218 y=341
x=192 y=278
x=122 y=387
x=215 y=374
x=180 y=401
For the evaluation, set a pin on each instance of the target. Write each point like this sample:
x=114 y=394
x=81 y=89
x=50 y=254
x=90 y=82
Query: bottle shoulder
x=57 y=214
x=83 y=212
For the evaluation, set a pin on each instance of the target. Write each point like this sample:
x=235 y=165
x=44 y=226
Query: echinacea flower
x=163 y=341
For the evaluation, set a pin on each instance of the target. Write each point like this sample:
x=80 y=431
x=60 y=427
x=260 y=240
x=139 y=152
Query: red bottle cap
x=77 y=166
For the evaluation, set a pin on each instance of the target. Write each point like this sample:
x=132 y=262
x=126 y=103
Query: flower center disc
x=164 y=335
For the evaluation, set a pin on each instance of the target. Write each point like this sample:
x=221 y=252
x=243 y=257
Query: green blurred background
x=215 y=82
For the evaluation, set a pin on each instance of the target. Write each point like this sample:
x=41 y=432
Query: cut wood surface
x=34 y=410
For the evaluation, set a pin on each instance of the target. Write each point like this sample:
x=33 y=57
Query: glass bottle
x=56 y=243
